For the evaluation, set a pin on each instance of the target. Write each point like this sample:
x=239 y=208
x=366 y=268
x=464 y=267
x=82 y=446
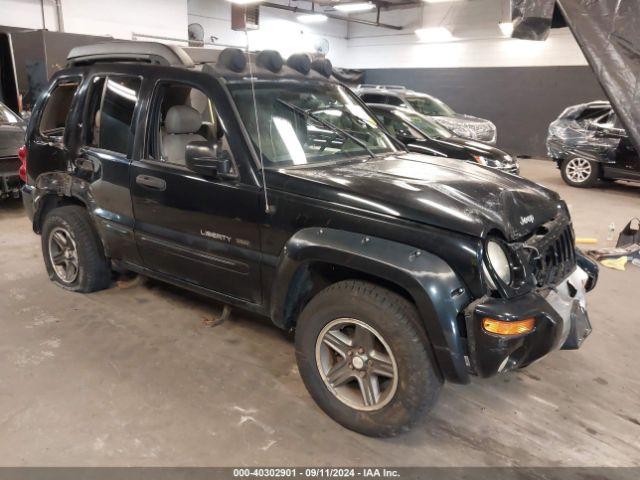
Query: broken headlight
x=498 y=261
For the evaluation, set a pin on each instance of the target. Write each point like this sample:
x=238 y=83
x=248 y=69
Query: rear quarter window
x=373 y=98
x=56 y=110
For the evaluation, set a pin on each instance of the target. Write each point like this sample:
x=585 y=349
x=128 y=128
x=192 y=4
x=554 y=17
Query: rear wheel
x=580 y=172
x=72 y=251
x=365 y=359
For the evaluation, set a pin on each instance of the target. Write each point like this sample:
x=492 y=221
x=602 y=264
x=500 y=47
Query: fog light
x=508 y=328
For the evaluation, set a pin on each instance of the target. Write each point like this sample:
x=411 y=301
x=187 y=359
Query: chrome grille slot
x=553 y=254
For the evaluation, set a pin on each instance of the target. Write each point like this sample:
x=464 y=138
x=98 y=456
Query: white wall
x=27 y=14
x=478 y=43
x=116 y=18
x=279 y=30
x=478 y=40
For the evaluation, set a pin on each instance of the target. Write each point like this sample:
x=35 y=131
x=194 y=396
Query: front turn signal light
x=499 y=327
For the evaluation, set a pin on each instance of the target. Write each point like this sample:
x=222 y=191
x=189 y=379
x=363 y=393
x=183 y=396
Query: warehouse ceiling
x=385 y=4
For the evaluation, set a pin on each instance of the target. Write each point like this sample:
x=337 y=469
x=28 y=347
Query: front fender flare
x=438 y=292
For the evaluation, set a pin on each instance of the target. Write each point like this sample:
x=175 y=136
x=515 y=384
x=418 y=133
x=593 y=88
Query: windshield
x=303 y=123
x=430 y=106
x=426 y=126
x=7 y=116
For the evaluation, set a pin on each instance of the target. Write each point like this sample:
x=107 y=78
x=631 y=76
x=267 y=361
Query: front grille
x=553 y=256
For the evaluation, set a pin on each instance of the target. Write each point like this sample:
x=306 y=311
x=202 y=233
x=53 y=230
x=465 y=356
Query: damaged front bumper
x=560 y=319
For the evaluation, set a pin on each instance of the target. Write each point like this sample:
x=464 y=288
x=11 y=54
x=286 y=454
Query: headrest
x=270 y=59
x=182 y=119
x=300 y=62
x=232 y=59
x=322 y=66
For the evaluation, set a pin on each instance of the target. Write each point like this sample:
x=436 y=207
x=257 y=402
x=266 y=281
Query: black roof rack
x=130 y=51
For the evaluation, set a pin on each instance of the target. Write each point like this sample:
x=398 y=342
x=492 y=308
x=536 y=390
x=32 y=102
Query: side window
x=56 y=109
x=372 y=98
x=392 y=100
x=606 y=120
x=592 y=113
x=182 y=114
x=111 y=105
x=395 y=125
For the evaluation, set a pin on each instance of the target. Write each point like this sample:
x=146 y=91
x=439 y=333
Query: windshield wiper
x=326 y=124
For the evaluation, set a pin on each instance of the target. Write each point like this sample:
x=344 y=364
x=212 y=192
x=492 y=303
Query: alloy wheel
x=578 y=170
x=356 y=364
x=63 y=254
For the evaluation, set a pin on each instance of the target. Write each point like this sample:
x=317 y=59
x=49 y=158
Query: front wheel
x=365 y=358
x=580 y=172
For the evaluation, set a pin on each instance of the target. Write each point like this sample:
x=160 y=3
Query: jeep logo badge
x=527 y=219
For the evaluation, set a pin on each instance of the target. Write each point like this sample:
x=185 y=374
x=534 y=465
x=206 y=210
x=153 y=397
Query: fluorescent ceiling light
x=244 y=2
x=354 y=7
x=506 y=28
x=434 y=34
x=312 y=18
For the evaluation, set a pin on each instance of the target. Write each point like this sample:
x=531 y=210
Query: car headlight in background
x=500 y=263
x=488 y=162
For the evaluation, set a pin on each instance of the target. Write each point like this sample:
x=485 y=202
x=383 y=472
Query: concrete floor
x=134 y=376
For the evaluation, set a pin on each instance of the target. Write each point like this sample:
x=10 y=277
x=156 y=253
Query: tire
x=580 y=172
x=394 y=324
x=73 y=224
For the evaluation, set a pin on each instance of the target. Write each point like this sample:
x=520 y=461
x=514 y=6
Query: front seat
x=181 y=124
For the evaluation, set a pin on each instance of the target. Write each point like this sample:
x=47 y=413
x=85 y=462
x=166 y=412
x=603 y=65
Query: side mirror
x=208 y=160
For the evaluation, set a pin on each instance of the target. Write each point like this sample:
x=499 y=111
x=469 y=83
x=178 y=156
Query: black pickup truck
x=269 y=186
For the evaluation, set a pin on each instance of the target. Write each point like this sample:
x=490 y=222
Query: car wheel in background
x=580 y=172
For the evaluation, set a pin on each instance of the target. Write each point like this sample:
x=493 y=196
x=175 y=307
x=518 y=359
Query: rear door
x=196 y=229
x=49 y=134
x=109 y=117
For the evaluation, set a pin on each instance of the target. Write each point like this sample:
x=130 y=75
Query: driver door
x=198 y=229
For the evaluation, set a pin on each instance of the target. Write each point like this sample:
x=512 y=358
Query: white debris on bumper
x=562 y=302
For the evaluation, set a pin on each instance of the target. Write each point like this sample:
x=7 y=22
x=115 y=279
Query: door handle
x=153 y=183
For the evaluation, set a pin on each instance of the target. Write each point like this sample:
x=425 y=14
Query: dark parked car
x=423 y=135
x=269 y=186
x=461 y=125
x=12 y=130
x=589 y=144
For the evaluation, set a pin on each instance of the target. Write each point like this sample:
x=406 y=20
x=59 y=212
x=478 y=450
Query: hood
x=462 y=149
x=469 y=147
x=11 y=139
x=468 y=126
x=442 y=192
x=459 y=118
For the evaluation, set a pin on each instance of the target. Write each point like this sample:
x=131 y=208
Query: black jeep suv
x=269 y=186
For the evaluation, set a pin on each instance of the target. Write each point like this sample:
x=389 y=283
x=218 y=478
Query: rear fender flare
x=61 y=185
x=439 y=294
